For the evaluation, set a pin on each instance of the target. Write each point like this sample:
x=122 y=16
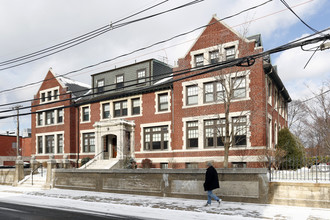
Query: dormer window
x=199 y=60
x=100 y=86
x=214 y=56
x=119 y=81
x=230 y=53
x=141 y=76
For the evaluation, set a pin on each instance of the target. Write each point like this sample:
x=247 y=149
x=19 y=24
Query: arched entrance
x=110 y=146
x=115 y=138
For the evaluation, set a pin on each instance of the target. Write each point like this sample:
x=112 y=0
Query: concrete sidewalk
x=233 y=210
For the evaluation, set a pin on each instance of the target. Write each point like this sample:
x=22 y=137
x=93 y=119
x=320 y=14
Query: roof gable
x=216 y=32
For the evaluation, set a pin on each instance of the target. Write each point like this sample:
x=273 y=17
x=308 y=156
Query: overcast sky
x=29 y=26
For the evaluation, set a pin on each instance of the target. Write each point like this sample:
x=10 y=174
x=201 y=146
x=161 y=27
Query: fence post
x=19 y=170
x=51 y=164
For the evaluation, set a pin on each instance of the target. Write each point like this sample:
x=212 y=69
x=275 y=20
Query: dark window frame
x=136 y=110
x=120 y=85
x=150 y=144
x=160 y=106
x=217 y=129
x=100 y=89
x=121 y=112
x=190 y=126
x=141 y=80
x=105 y=113
x=199 y=60
x=88 y=144
x=230 y=56
x=239 y=123
x=60 y=143
x=60 y=117
x=40 y=144
x=239 y=87
x=85 y=111
x=189 y=96
x=50 y=117
x=216 y=59
x=50 y=144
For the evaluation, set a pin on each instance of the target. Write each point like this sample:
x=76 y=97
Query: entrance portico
x=115 y=138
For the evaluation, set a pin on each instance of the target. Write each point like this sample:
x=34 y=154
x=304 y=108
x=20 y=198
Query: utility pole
x=17 y=107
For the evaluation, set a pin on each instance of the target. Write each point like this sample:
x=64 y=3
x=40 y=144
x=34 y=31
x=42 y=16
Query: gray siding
x=152 y=68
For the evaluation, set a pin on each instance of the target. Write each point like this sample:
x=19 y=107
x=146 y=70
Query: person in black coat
x=211 y=183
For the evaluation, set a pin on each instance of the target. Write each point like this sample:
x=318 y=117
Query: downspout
x=78 y=136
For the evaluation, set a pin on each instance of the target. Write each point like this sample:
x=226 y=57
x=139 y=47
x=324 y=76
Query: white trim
x=52 y=90
x=81 y=141
x=200 y=84
x=81 y=114
x=201 y=120
x=155 y=124
x=206 y=52
x=43 y=135
x=168 y=101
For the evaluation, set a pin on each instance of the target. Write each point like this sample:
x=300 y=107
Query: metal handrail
x=32 y=172
x=92 y=160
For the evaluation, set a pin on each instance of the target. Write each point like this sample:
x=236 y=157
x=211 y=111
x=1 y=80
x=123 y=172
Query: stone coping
x=164 y=171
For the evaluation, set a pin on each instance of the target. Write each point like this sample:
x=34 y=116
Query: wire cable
x=135 y=51
x=83 y=38
x=214 y=67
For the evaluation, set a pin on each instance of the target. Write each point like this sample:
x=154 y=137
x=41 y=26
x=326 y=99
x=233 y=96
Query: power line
x=244 y=61
x=288 y=6
x=85 y=37
x=135 y=51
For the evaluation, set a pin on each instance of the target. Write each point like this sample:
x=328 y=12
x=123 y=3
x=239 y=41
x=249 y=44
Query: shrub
x=85 y=160
x=146 y=163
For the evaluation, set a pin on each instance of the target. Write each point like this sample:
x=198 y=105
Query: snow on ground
x=153 y=207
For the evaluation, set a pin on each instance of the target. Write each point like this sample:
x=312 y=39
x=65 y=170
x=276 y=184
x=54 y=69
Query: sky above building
x=30 y=26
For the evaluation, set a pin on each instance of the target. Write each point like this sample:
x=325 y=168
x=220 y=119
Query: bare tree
x=317 y=121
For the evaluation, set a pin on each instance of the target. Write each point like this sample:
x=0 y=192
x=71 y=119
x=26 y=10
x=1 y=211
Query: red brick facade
x=256 y=107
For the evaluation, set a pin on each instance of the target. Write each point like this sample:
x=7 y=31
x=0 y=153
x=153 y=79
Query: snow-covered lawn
x=153 y=207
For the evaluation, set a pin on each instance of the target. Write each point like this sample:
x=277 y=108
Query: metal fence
x=300 y=169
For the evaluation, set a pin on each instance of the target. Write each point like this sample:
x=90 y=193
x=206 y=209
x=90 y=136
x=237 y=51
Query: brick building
x=176 y=118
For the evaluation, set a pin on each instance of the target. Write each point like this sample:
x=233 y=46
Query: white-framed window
x=49 y=95
x=141 y=76
x=163 y=102
x=50 y=117
x=239 y=87
x=100 y=86
x=85 y=113
x=105 y=110
x=120 y=108
x=214 y=56
x=50 y=143
x=156 y=138
x=119 y=81
x=230 y=53
x=88 y=140
x=192 y=134
x=192 y=95
x=136 y=106
x=199 y=60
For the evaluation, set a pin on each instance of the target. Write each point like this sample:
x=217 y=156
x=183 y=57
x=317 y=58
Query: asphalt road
x=10 y=211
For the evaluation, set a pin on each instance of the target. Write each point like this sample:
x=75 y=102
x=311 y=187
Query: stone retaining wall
x=240 y=185
x=300 y=194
